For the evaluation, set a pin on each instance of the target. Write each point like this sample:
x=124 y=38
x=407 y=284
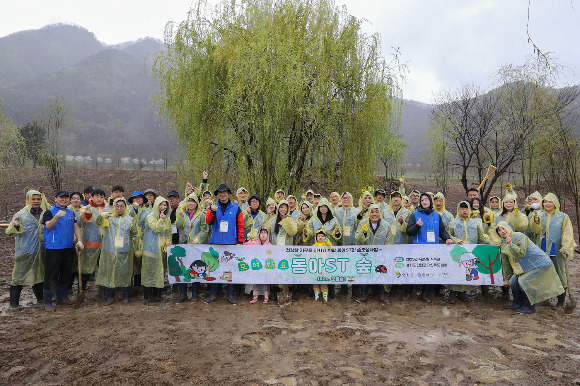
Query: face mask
x=535 y=206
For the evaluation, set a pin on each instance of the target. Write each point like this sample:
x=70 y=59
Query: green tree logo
x=488 y=260
x=211 y=260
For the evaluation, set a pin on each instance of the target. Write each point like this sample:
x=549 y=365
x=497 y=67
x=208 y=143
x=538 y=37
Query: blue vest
x=430 y=223
x=534 y=256
x=230 y=214
x=63 y=233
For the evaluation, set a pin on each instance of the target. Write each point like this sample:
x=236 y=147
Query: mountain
x=108 y=90
x=414 y=124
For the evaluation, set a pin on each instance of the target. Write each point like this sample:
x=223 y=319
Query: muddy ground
x=404 y=342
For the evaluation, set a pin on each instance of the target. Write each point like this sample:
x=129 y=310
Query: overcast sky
x=445 y=42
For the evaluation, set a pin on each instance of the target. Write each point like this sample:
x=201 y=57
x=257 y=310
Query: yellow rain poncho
x=347 y=218
x=301 y=223
x=446 y=216
x=287 y=228
x=330 y=226
x=556 y=236
x=399 y=229
x=516 y=219
x=29 y=247
x=116 y=261
x=469 y=231
x=382 y=235
x=534 y=270
x=192 y=230
x=364 y=212
x=92 y=239
x=268 y=216
x=155 y=241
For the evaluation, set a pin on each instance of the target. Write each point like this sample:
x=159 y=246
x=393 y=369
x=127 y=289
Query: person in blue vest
x=227 y=223
x=426 y=227
x=60 y=229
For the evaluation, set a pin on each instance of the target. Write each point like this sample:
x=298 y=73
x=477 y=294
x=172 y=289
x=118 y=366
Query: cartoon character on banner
x=469 y=262
x=197 y=270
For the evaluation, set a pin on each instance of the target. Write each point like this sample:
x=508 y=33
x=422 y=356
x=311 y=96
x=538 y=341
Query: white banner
x=468 y=264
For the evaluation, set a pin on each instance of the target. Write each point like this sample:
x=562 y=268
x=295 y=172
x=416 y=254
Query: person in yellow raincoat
x=518 y=222
x=271 y=207
x=533 y=208
x=28 y=250
x=254 y=218
x=92 y=236
x=439 y=206
x=282 y=228
x=302 y=221
x=365 y=201
x=465 y=229
x=190 y=221
x=374 y=231
x=534 y=277
x=347 y=218
x=155 y=241
x=116 y=260
x=334 y=202
x=555 y=237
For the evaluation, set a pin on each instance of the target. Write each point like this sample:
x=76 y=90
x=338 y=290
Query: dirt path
x=303 y=343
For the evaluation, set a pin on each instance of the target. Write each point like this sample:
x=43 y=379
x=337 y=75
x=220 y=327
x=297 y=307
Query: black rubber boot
x=158 y=293
x=15 y=295
x=452 y=297
x=527 y=307
x=517 y=295
x=274 y=293
x=182 y=287
x=148 y=295
x=364 y=293
x=331 y=292
x=194 y=291
x=86 y=277
x=383 y=294
x=38 y=293
x=137 y=280
x=505 y=293
x=561 y=299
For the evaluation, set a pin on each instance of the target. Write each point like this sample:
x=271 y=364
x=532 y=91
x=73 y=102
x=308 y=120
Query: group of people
x=122 y=242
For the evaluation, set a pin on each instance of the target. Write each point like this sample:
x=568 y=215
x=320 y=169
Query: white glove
x=213 y=207
x=105 y=215
x=60 y=213
x=136 y=205
x=80 y=245
x=17 y=221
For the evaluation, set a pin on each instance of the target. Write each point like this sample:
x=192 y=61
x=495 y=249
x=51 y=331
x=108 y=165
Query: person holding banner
x=321 y=241
x=534 y=277
x=374 y=231
x=227 y=223
x=156 y=238
x=116 y=260
x=426 y=227
x=192 y=230
x=323 y=219
x=465 y=229
x=259 y=289
x=556 y=238
x=396 y=215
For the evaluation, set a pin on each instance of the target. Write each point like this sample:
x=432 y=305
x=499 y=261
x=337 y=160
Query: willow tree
x=278 y=94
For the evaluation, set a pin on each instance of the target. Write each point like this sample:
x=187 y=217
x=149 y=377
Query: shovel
x=571 y=303
x=81 y=295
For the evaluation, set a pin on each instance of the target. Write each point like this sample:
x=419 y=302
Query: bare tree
x=54 y=120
